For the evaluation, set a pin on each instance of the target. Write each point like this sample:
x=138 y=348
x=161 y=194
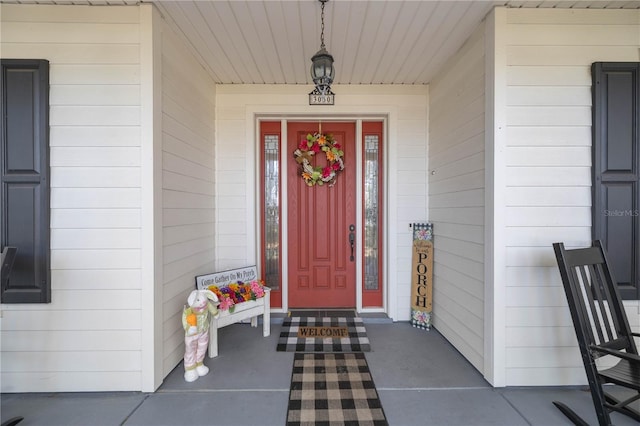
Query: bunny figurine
x=195 y=321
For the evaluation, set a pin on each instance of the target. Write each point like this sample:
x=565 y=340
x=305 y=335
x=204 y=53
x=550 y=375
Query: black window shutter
x=24 y=174
x=616 y=174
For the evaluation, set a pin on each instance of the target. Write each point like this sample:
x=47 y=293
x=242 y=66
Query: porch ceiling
x=372 y=42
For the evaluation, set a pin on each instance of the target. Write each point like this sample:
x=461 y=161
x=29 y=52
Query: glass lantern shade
x=322 y=70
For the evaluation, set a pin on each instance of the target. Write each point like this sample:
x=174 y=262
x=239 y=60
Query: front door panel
x=322 y=270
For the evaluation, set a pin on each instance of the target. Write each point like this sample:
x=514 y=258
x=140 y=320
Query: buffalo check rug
x=333 y=389
x=323 y=334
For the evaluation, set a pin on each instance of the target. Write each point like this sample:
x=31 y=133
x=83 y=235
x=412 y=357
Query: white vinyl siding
x=407 y=193
x=548 y=186
x=236 y=167
x=89 y=337
x=188 y=104
x=456 y=198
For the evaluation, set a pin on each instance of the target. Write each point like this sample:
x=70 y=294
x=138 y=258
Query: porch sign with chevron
x=422 y=275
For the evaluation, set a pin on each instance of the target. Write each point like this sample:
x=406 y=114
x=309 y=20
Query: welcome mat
x=333 y=389
x=310 y=334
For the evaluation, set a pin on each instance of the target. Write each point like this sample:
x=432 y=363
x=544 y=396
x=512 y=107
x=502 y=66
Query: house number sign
x=316 y=99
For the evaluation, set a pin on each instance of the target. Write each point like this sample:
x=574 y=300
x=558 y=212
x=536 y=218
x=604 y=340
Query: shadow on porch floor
x=421 y=379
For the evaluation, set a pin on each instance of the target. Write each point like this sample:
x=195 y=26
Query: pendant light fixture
x=322 y=70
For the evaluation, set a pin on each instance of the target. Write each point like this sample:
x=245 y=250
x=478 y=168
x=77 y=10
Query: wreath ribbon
x=312 y=145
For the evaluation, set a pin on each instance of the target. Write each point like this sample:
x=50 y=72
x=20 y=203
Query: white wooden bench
x=250 y=309
x=245 y=310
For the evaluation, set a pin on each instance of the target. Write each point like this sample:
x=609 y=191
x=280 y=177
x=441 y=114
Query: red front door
x=322 y=267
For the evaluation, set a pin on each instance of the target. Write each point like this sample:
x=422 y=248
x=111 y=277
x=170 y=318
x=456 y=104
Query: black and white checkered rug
x=333 y=389
x=310 y=334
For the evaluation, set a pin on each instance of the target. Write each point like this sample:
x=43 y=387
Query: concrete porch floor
x=420 y=377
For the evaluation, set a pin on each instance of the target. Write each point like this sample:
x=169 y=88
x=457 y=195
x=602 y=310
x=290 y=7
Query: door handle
x=352 y=240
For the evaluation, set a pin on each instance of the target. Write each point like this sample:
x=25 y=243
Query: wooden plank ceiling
x=372 y=42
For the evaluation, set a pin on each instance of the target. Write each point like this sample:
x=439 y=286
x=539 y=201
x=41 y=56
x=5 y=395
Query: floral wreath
x=313 y=144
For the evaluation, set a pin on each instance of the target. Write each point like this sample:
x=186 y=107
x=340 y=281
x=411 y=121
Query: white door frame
x=284 y=156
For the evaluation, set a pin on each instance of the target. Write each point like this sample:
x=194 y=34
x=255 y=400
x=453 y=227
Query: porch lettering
x=421 y=281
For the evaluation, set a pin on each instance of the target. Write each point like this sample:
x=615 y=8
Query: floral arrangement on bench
x=232 y=294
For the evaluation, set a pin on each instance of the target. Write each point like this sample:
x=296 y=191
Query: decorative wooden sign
x=224 y=278
x=422 y=275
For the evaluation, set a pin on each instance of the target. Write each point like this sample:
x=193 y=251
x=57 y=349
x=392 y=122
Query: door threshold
x=329 y=312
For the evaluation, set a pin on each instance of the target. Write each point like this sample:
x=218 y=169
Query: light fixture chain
x=322 y=25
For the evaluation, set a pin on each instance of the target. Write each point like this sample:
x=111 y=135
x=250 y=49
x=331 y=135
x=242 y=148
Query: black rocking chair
x=7 y=258
x=601 y=328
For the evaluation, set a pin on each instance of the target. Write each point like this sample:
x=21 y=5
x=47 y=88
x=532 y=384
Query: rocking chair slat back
x=601 y=327
x=591 y=290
